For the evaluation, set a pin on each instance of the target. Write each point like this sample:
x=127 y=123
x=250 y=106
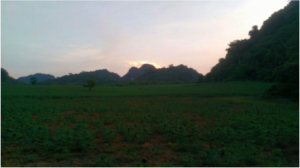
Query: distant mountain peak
x=135 y=72
x=147 y=66
x=102 y=77
x=40 y=77
x=172 y=74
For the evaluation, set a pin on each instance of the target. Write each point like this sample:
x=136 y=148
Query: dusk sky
x=62 y=37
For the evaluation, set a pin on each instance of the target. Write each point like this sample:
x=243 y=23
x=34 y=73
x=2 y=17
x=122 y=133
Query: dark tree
x=33 y=80
x=254 y=31
x=90 y=83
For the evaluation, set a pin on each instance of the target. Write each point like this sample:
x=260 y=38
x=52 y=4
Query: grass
x=218 y=124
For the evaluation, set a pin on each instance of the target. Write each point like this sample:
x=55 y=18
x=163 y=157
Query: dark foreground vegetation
x=219 y=124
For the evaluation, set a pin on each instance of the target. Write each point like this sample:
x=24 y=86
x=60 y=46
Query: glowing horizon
x=138 y=64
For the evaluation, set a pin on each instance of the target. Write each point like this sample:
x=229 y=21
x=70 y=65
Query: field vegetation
x=209 y=124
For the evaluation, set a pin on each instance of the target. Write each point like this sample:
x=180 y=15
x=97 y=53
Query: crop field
x=217 y=124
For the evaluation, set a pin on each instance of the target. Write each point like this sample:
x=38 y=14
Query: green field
x=212 y=124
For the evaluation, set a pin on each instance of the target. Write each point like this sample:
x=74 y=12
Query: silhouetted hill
x=131 y=74
x=172 y=74
x=102 y=77
x=104 y=73
x=270 y=54
x=7 y=80
x=266 y=52
x=134 y=72
x=39 y=76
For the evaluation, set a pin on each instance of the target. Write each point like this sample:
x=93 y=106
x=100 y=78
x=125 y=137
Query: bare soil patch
x=95 y=115
x=135 y=103
x=53 y=127
x=207 y=145
x=201 y=121
x=154 y=141
x=33 y=117
x=155 y=151
x=68 y=112
x=187 y=114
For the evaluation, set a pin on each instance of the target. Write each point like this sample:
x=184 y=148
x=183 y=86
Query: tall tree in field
x=33 y=80
x=90 y=83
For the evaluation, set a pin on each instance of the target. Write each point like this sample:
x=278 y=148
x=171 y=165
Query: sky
x=62 y=37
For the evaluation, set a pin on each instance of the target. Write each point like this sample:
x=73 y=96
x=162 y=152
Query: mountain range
x=147 y=72
x=103 y=77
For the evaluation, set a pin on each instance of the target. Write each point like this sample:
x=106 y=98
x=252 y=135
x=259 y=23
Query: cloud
x=79 y=54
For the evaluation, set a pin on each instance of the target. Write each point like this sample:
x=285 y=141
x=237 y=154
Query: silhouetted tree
x=254 y=31
x=90 y=83
x=33 y=80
